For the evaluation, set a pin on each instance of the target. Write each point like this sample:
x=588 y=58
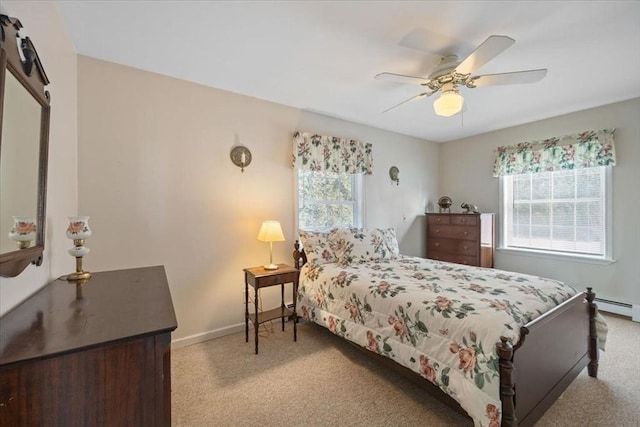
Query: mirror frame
x=19 y=57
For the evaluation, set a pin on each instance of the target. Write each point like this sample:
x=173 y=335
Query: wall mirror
x=24 y=142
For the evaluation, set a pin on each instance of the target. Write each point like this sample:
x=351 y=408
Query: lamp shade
x=271 y=232
x=449 y=103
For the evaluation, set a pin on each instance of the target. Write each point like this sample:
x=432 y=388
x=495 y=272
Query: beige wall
x=157 y=181
x=466 y=167
x=44 y=26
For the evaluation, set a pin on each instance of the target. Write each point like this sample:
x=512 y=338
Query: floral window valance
x=582 y=150
x=331 y=154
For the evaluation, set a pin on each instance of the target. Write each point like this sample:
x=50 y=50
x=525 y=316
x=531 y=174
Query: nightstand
x=259 y=278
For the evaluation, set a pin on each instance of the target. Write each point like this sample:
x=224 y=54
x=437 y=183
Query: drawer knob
x=438 y=219
x=466 y=233
x=463 y=220
x=465 y=247
x=436 y=244
x=437 y=230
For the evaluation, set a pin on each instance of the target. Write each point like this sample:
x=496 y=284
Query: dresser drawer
x=458 y=259
x=275 y=279
x=453 y=246
x=464 y=219
x=438 y=219
x=453 y=232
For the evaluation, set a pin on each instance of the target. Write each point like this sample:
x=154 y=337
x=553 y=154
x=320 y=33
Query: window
x=560 y=212
x=327 y=200
x=329 y=180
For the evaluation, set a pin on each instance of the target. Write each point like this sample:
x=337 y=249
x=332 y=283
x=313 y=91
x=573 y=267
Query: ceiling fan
x=450 y=74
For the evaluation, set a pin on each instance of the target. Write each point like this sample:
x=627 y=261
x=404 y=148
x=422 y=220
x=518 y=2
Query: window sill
x=558 y=256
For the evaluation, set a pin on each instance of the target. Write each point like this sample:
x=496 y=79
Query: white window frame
x=607 y=256
x=357 y=182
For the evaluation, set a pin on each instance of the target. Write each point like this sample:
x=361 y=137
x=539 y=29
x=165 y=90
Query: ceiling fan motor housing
x=446 y=65
x=445 y=75
x=450 y=73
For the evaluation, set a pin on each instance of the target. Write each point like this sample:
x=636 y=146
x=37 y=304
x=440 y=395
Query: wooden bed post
x=507 y=384
x=592 y=368
x=298 y=256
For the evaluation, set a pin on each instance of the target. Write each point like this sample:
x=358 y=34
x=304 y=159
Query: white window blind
x=564 y=211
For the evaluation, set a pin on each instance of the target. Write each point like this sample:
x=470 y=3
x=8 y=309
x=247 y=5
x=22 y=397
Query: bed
x=498 y=346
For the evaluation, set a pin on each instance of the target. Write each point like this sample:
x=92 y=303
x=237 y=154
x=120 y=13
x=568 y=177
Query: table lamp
x=271 y=232
x=78 y=231
x=23 y=231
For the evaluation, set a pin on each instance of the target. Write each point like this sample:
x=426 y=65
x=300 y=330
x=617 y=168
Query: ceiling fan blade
x=401 y=78
x=513 y=78
x=489 y=49
x=413 y=98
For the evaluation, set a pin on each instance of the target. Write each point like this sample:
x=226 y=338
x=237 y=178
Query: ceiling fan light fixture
x=449 y=103
x=450 y=74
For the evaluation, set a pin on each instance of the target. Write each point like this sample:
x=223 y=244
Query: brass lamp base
x=79 y=275
x=23 y=244
x=270 y=267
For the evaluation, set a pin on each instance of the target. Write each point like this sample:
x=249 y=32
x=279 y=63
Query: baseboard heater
x=615 y=307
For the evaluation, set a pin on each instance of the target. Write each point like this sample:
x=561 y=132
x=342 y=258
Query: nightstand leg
x=295 y=313
x=282 y=304
x=246 y=310
x=257 y=323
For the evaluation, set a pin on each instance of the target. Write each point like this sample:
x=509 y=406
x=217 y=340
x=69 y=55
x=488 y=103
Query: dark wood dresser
x=92 y=354
x=461 y=238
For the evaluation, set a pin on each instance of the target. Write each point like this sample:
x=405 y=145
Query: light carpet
x=323 y=381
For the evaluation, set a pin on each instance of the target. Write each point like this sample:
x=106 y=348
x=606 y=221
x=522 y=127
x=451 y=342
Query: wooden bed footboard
x=553 y=349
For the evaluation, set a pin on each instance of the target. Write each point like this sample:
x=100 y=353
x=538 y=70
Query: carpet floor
x=323 y=381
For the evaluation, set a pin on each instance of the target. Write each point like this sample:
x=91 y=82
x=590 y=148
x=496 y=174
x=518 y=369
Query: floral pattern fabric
x=583 y=150
x=317 y=247
x=331 y=154
x=349 y=245
x=391 y=240
x=439 y=319
x=363 y=245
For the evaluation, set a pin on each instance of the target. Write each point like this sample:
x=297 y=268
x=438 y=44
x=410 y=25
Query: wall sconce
x=241 y=157
x=393 y=174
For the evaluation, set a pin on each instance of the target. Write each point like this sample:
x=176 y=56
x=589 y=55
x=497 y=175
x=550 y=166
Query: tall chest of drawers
x=461 y=238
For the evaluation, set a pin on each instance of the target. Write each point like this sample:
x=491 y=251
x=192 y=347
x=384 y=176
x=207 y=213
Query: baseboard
x=623 y=309
x=206 y=336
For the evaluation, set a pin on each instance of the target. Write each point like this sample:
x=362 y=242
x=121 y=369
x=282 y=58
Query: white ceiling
x=322 y=56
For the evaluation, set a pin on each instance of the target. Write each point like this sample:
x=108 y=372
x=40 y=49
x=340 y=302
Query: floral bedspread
x=439 y=319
